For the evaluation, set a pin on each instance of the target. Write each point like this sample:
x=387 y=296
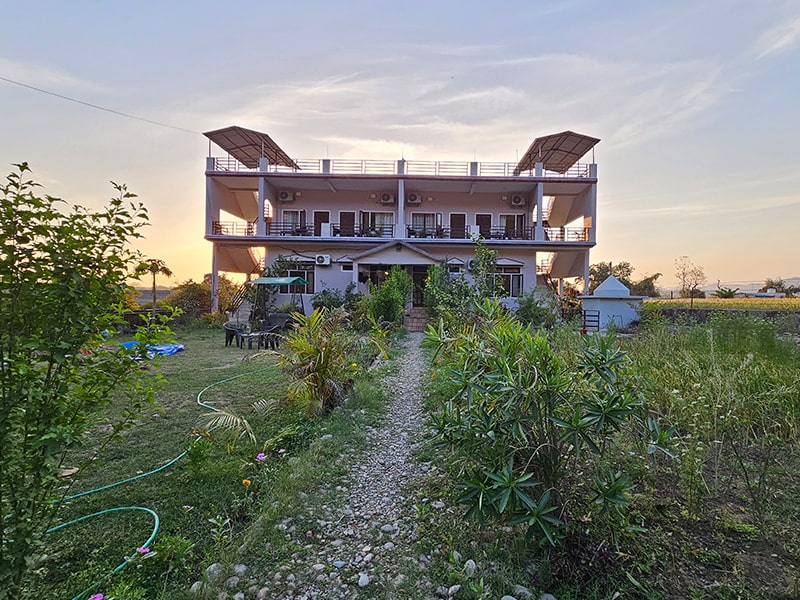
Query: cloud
x=45 y=77
x=779 y=39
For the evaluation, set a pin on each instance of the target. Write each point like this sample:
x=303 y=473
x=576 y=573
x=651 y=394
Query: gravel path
x=367 y=543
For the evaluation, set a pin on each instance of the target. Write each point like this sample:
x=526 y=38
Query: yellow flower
x=354 y=365
x=433 y=374
x=246 y=482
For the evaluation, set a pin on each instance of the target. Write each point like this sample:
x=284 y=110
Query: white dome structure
x=611 y=304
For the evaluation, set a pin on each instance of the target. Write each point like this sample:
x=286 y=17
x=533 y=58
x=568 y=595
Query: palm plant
x=316 y=352
x=154 y=266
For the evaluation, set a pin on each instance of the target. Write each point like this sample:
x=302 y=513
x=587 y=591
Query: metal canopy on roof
x=247 y=146
x=558 y=152
x=277 y=281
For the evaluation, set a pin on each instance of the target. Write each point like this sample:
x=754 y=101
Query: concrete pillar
x=590 y=220
x=539 y=169
x=586 y=273
x=261 y=225
x=400 y=228
x=214 y=279
x=538 y=199
x=212 y=208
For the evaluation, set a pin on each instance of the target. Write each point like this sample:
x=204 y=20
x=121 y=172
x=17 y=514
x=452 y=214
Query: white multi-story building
x=345 y=221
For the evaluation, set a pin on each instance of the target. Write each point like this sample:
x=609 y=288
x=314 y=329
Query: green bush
x=537 y=308
x=387 y=302
x=521 y=419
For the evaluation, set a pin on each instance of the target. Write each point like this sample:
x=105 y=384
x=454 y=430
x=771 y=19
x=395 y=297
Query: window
x=513 y=227
x=511 y=280
x=381 y=223
x=304 y=271
x=347 y=266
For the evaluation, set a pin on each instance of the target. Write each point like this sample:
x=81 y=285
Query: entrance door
x=320 y=217
x=458 y=226
x=347 y=224
x=484 y=223
x=419 y=273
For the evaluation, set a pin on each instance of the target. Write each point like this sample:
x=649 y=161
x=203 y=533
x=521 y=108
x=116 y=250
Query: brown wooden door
x=320 y=217
x=458 y=226
x=347 y=223
x=484 y=223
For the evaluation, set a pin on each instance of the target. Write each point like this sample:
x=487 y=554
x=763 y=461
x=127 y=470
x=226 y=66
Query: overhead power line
x=95 y=106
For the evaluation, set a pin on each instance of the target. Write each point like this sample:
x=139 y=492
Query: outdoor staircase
x=241 y=314
x=416 y=320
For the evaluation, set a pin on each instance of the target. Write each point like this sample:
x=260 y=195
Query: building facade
x=348 y=221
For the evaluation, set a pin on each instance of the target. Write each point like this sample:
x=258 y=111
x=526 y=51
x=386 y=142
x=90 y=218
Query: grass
x=721 y=518
x=789 y=304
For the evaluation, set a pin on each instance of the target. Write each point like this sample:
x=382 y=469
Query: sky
x=696 y=104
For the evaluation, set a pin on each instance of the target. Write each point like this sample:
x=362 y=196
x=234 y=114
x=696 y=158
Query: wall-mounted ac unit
x=286 y=196
x=471 y=264
x=518 y=200
x=387 y=198
x=413 y=198
x=323 y=259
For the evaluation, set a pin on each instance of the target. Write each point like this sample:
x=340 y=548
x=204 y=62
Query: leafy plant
x=315 y=353
x=62 y=280
x=519 y=413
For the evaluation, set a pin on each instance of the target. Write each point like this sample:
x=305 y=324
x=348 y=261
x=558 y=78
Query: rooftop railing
x=228 y=164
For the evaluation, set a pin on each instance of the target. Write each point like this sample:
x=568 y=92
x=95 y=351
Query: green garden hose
x=157 y=521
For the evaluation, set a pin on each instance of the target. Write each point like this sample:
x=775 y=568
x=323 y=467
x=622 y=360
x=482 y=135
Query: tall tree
x=154 y=266
x=623 y=271
x=601 y=271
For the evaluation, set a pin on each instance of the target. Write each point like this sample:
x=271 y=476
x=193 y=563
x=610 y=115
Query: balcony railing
x=289 y=228
x=229 y=164
x=567 y=234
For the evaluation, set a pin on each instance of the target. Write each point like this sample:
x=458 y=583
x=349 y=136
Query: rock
x=262 y=594
x=508 y=598
x=231 y=582
x=387 y=528
x=438 y=504
x=544 y=596
x=197 y=587
x=523 y=592
x=469 y=569
x=238 y=596
x=240 y=569
x=453 y=590
x=363 y=580
x=388 y=546
x=213 y=571
x=338 y=564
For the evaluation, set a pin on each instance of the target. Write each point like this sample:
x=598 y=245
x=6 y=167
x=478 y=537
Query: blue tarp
x=156 y=349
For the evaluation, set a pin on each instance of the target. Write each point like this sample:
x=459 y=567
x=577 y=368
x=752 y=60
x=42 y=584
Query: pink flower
x=260 y=456
x=143 y=550
x=96 y=597
x=282 y=450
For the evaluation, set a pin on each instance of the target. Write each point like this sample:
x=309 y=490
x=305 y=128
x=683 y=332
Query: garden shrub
x=62 y=283
x=521 y=417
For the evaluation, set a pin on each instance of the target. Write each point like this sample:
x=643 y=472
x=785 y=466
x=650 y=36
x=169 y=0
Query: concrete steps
x=416 y=320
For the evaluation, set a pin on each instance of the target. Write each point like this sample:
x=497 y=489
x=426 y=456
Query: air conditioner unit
x=387 y=198
x=286 y=196
x=323 y=259
x=471 y=264
x=517 y=200
x=414 y=198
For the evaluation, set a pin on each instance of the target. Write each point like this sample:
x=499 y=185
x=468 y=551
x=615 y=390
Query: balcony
x=392 y=167
x=338 y=230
